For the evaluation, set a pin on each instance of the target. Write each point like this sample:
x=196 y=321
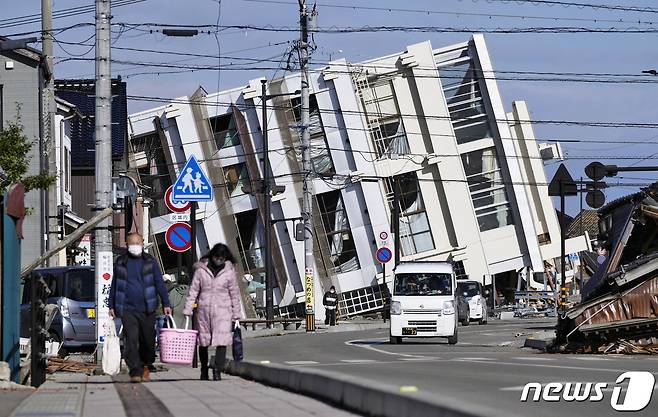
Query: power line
x=60 y=14
x=639 y=9
x=457 y=13
x=601 y=124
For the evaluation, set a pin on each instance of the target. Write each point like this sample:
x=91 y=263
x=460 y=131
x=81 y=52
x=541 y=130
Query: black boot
x=216 y=374
x=204 y=374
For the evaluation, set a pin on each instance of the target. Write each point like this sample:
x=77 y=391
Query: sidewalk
x=175 y=393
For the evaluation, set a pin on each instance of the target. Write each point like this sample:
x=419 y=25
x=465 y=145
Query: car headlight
x=396 y=308
x=449 y=307
x=64 y=309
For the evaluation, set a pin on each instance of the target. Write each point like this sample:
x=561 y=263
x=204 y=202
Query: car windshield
x=79 y=285
x=468 y=289
x=423 y=284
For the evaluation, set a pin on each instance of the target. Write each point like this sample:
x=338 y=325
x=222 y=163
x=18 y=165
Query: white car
x=476 y=298
x=423 y=301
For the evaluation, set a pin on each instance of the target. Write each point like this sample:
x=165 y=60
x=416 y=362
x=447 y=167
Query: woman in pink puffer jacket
x=215 y=290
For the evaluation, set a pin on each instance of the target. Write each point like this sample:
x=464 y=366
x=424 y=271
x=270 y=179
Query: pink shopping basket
x=177 y=345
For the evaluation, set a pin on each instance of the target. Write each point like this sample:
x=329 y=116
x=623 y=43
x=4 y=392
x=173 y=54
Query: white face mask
x=135 y=250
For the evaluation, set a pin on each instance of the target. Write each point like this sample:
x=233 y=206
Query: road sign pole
x=563 y=288
x=396 y=220
x=269 y=275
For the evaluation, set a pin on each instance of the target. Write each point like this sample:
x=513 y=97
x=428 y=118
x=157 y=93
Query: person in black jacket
x=330 y=302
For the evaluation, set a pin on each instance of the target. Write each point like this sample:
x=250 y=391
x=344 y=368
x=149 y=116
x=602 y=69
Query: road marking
x=363 y=344
x=418 y=359
x=540 y=365
x=532 y=358
x=588 y=358
x=301 y=362
x=610 y=386
x=474 y=359
x=358 y=360
x=408 y=388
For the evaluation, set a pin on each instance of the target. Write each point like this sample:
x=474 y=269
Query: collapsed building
x=620 y=301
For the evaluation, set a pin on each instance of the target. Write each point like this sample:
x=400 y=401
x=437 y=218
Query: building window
x=462 y=92
x=415 y=232
x=383 y=116
x=487 y=189
x=338 y=233
x=460 y=271
x=224 y=131
x=320 y=156
x=236 y=177
x=251 y=243
x=154 y=173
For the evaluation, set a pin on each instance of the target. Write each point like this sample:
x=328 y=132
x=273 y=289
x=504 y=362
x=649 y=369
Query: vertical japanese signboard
x=106 y=269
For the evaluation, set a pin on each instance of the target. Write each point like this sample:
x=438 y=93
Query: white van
x=423 y=301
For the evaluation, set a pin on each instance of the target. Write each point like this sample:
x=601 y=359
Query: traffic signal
x=596 y=171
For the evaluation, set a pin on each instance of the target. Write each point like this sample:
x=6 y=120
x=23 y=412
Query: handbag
x=238 y=349
x=111 y=350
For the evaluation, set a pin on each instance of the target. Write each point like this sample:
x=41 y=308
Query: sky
x=608 y=53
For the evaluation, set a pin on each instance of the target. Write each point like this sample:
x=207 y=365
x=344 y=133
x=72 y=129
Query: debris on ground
x=626 y=347
x=68 y=365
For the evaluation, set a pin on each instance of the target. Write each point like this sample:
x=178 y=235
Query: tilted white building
x=472 y=182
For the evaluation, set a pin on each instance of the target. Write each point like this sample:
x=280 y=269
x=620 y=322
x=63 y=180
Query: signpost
x=174 y=205
x=192 y=184
x=179 y=237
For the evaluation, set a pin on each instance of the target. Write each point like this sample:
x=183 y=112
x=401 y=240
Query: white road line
x=301 y=362
x=540 y=365
x=474 y=359
x=362 y=344
x=419 y=359
x=532 y=358
x=588 y=358
x=358 y=360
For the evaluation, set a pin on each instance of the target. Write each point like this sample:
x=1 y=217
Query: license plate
x=91 y=313
x=409 y=331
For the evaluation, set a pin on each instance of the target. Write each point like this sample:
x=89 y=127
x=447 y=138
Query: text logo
x=638 y=392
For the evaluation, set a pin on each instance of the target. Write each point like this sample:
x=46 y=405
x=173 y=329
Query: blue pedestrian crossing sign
x=192 y=183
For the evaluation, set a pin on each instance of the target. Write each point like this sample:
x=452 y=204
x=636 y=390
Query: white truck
x=423 y=301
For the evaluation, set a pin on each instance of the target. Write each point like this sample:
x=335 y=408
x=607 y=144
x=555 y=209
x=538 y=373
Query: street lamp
x=266 y=189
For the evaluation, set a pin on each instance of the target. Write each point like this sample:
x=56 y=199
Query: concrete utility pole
x=269 y=275
x=49 y=205
x=103 y=236
x=307 y=201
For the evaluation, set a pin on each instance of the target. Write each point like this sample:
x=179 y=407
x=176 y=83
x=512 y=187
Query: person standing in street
x=330 y=302
x=134 y=296
x=215 y=290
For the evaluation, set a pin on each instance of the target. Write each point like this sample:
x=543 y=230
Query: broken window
x=224 y=131
x=415 y=233
x=337 y=231
x=153 y=169
x=250 y=240
x=383 y=116
x=236 y=177
x=462 y=92
x=320 y=156
x=488 y=192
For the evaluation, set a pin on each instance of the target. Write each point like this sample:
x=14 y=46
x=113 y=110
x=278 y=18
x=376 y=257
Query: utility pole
x=49 y=162
x=269 y=278
x=103 y=192
x=307 y=201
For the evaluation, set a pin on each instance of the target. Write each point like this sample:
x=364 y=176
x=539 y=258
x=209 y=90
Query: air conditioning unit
x=551 y=151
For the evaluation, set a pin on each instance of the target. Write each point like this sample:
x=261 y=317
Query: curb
x=367 y=398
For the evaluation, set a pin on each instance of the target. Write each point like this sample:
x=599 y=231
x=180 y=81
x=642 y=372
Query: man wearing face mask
x=330 y=302
x=134 y=298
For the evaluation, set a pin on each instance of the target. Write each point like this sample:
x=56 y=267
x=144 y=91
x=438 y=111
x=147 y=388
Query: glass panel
x=472 y=132
x=342 y=247
x=224 y=131
x=423 y=284
x=80 y=285
x=236 y=177
x=502 y=216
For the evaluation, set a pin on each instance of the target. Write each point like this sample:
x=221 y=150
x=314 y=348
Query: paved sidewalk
x=175 y=393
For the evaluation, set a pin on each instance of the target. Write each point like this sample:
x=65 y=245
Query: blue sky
x=581 y=53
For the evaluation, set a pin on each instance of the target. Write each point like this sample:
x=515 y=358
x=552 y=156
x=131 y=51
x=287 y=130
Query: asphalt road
x=487 y=367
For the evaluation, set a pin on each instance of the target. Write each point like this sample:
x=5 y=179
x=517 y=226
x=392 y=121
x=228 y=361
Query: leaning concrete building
x=471 y=177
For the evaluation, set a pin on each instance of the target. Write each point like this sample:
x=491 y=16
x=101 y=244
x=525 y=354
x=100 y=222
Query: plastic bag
x=238 y=349
x=111 y=350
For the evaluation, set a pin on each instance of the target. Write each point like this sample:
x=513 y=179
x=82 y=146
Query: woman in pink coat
x=215 y=290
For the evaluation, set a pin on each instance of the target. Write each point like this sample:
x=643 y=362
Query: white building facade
x=471 y=179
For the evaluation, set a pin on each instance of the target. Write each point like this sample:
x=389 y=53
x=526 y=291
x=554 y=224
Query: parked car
x=475 y=297
x=73 y=289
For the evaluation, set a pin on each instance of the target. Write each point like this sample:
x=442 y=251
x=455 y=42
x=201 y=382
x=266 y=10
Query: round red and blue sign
x=179 y=237
x=384 y=255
